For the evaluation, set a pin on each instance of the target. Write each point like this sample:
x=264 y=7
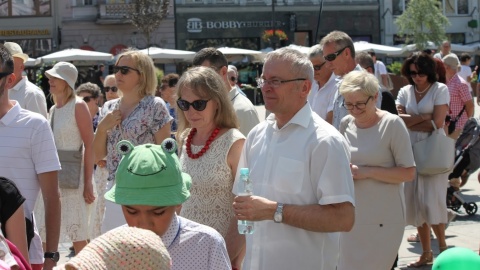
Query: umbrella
x=30 y=62
x=236 y=54
x=377 y=48
x=458 y=48
x=160 y=55
x=69 y=55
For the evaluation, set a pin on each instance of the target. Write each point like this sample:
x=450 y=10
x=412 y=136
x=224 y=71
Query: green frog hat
x=149 y=174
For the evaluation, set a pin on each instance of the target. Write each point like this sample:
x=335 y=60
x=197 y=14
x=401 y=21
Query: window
x=449 y=7
x=21 y=8
x=79 y=3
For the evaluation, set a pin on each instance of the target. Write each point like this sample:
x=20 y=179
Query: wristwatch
x=54 y=256
x=278 y=216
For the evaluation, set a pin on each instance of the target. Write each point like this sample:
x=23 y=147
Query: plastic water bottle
x=245 y=226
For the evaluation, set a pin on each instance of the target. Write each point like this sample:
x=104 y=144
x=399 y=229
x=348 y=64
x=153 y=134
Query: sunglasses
x=414 y=74
x=331 y=57
x=4 y=74
x=198 y=105
x=318 y=67
x=124 y=69
x=87 y=99
x=108 y=88
x=233 y=79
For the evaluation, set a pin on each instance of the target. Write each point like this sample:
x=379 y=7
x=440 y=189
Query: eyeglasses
x=233 y=79
x=114 y=89
x=198 y=105
x=87 y=99
x=331 y=57
x=359 y=105
x=275 y=83
x=318 y=67
x=4 y=74
x=124 y=69
x=414 y=74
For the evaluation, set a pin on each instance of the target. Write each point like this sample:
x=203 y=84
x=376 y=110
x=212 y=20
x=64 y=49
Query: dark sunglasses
x=124 y=69
x=318 y=67
x=4 y=74
x=87 y=99
x=415 y=74
x=331 y=57
x=198 y=105
x=108 y=88
x=233 y=79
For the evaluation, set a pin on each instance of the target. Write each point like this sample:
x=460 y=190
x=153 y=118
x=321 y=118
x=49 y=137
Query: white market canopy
x=236 y=54
x=455 y=48
x=69 y=55
x=377 y=48
x=30 y=62
x=160 y=55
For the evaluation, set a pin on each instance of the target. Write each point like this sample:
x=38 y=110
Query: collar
x=301 y=118
x=11 y=114
x=172 y=232
x=20 y=85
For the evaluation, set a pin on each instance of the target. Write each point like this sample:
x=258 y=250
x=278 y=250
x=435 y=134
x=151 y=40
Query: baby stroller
x=467 y=159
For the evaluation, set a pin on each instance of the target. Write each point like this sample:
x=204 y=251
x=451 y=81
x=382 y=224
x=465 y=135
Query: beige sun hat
x=126 y=248
x=16 y=51
x=65 y=71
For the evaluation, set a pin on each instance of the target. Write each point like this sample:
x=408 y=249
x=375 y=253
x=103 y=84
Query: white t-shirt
x=466 y=71
x=322 y=99
x=305 y=162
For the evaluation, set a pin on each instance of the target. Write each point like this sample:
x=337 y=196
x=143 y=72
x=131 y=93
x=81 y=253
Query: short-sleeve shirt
x=29 y=96
x=459 y=95
x=320 y=99
x=140 y=126
x=305 y=162
x=10 y=200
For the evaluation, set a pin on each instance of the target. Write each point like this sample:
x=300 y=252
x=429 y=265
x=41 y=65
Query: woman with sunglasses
x=72 y=127
x=424 y=100
x=110 y=88
x=210 y=150
x=138 y=116
x=380 y=165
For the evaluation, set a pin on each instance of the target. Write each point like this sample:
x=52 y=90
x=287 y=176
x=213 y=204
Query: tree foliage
x=423 y=21
x=148 y=15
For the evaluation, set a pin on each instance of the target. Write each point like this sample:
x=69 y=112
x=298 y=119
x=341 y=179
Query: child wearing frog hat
x=150 y=186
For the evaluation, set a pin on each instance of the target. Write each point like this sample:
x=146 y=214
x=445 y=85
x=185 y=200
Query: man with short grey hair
x=28 y=95
x=323 y=88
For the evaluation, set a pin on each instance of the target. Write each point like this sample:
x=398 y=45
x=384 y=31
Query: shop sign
x=196 y=25
x=25 y=32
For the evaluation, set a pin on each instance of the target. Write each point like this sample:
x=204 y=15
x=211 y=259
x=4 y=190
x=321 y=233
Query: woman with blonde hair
x=72 y=127
x=138 y=116
x=210 y=151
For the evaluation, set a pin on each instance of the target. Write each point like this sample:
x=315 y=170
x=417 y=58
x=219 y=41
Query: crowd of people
x=332 y=165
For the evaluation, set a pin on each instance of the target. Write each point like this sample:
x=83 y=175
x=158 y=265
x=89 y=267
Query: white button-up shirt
x=29 y=96
x=305 y=162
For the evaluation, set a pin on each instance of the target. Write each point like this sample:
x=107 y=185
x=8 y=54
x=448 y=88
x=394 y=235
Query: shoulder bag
x=71 y=162
x=435 y=154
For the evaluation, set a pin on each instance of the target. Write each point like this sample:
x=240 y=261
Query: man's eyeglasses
x=331 y=57
x=359 y=105
x=124 y=69
x=114 y=89
x=414 y=74
x=4 y=74
x=233 y=79
x=318 y=67
x=198 y=105
x=275 y=82
x=87 y=99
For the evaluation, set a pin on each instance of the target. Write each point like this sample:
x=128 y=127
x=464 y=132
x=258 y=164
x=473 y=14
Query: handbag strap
x=460 y=113
x=433 y=124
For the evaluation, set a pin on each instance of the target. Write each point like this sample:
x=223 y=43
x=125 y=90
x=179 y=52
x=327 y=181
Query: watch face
x=56 y=256
x=277 y=217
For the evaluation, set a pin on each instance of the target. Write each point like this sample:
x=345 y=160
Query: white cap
x=16 y=51
x=64 y=71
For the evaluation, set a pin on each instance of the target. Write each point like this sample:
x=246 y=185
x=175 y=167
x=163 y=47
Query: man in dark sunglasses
x=339 y=52
x=244 y=109
x=323 y=89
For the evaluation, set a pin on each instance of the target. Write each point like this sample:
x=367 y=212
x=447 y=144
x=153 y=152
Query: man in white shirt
x=380 y=71
x=300 y=169
x=28 y=95
x=465 y=70
x=444 y=50
x=246 y=113
x=323 y=89
x=29 y=158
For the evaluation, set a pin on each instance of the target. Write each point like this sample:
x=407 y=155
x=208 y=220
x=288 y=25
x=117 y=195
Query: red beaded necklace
x=205 y=148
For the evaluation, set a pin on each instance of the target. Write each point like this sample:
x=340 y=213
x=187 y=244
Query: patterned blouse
x=150 y=115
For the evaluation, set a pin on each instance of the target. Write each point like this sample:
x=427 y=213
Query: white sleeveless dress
x=211 y=197
x=75 y=212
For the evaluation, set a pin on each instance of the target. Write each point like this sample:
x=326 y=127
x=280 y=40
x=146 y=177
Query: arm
x=111 y=120
x=329 y=117
x=393 y=175
x=235 y=242
x=51 y=198
x=84 y=123
x=15 y=231
x=337 y=217
x=384 y=79
x=469 y=108
x=163 y=133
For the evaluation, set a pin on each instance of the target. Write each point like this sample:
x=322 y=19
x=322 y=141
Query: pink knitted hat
x=122 y=248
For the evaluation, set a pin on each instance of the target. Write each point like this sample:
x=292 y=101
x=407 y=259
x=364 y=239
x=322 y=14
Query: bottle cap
x=244 y=171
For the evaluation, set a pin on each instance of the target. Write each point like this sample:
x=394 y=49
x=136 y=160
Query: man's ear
x=10 y=81
x=306 y=87
x=223 y=71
